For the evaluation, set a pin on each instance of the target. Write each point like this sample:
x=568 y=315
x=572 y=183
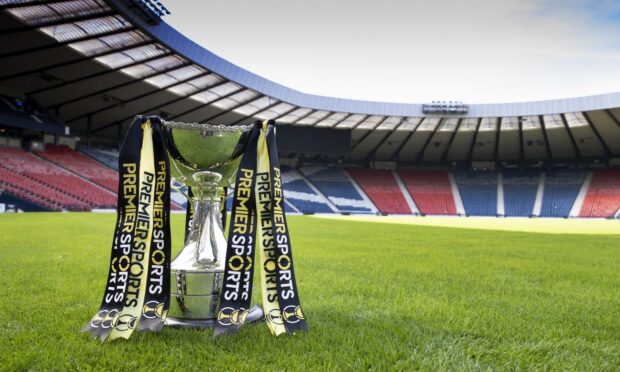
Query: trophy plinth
x=204 y=157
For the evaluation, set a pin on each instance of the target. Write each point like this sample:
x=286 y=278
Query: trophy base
x=255 y=315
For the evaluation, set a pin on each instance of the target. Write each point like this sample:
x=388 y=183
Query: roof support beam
x=470 y=153
x=212 y=117
x=293 y=108
x=337 y=121
x=613 y=118
x=543 y=127
x=285 y=112
x=521 y=144
x=570 y=134
x=277 y=102
x=77 y=60
x=420 y=154
x=30 y=3
x=172 y=102
x=98 y=74
x=140 y=96
x=598 y=135
x=57 y=22
x=66 y=42
x=498 y=127
x=396 y=156
x=134 y=81
x=361 y=121
x=303 y=116
x=444 y=156
x=369 y=131
x=372 y=153
x=203 y=105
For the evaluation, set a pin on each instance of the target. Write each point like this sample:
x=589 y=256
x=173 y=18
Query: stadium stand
x=382 y=189
x=603 y=197
x=107 y=157
x=54 y=180
x=37 y=192
x=335 y=185
x=520 y=187
x=479 y=192
x=300 y=194
x=82 y=165
x=431 y=191
x=51 y=182
x=14 y=204
x=561 y=189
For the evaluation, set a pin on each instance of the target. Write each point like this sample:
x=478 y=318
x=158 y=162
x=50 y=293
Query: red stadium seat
x=431 y=191
x=82 y=165
x=50 y=181
x=382 y=189
x=603 y=196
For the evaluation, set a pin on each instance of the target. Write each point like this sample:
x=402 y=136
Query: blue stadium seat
x=107 y=157
x=520 y=188
x=561 y=189
x=335 y=185
x=300 y=194
x=478 y=192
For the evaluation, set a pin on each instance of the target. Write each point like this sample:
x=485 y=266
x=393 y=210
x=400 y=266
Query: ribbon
x=288 y=295
x=138 y=285
x=157 y=298
x=258 y=222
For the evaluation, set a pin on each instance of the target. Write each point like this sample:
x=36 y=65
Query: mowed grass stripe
x=377 y=296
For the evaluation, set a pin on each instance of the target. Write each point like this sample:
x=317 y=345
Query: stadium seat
x=520 y=188
x=382 y=189
x=107 y=157
x=335 y=185
x=82 y=165
x=38 y=193
x=430 y=190
x=300 y=194
x=561 y=189
x=603 y=196
x=37 y=169
x=479 y=192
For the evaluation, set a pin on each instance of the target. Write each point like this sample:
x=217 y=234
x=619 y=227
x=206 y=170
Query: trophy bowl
x=204 y=158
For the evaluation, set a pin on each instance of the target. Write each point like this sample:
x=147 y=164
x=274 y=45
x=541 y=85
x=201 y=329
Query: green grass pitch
x=376 y=295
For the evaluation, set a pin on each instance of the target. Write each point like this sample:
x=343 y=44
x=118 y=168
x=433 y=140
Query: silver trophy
x=206 y=158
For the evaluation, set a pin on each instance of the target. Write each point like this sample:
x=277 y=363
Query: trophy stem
x=197 y=271
x=208 y=228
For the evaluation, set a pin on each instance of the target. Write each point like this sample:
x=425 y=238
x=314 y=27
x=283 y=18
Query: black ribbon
x=242 y=243
x=157 y=296
x=288 y=295
x=156 y=301
x=236 y=294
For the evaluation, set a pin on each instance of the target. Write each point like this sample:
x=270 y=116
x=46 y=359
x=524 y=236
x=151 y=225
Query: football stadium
x=436 y=236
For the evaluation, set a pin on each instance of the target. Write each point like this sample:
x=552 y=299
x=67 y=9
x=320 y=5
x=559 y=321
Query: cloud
x=416 y=51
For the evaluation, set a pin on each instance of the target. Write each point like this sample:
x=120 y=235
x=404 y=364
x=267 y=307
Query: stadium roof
x=95 y=64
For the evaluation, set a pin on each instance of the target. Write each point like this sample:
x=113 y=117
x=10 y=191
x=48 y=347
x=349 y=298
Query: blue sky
x=477 y=51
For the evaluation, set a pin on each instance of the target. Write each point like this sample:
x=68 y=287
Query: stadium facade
x=85 y=68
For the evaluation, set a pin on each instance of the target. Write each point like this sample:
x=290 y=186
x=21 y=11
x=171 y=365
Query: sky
x=414 y=51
